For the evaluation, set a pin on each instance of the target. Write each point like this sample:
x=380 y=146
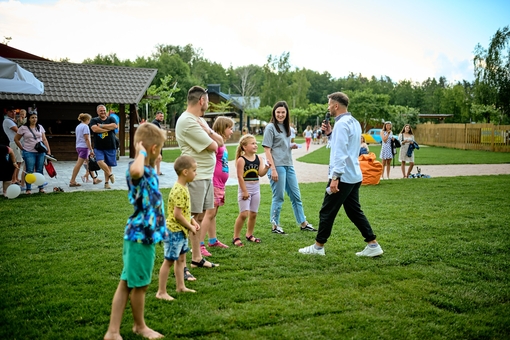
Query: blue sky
x=411 y=40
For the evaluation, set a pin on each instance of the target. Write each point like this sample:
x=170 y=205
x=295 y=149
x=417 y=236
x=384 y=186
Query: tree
x=161 y=96
x=320 y=86
x=401 y=115
x=368 y=108
x=246 y=85
x=107 y=59
x=299 y=89
x=492 y=73
x=278 y=78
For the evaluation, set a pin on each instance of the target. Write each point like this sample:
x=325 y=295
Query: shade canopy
x=15 y=79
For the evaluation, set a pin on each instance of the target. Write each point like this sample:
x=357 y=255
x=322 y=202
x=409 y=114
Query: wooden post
x=133 y=124
x=122 y=129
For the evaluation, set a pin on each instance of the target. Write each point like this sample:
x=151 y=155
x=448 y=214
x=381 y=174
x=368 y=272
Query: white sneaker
x=311 y=250
x=371 y=251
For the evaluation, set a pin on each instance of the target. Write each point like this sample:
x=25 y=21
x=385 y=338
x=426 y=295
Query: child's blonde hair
x=242 y=143
x=221 y=124
x=182 y=163
x=150 y=135
x=83 y=117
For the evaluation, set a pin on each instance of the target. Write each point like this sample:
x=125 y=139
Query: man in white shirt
x=344 y=179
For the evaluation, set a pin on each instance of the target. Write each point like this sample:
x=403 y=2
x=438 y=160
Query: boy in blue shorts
x=144 y=228
x=179 y=223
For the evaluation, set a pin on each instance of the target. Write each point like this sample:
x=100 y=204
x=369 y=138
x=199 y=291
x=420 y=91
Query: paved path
x=306 y=173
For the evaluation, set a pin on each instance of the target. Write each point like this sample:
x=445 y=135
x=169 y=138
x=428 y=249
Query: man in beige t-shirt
x=198 y=140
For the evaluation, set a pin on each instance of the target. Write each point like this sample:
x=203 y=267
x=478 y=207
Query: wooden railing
x=487 y=137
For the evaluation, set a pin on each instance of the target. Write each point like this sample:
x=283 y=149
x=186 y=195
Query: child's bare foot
x=147 y=333
x=112 y=336
x=164 y=296
x=185 y=290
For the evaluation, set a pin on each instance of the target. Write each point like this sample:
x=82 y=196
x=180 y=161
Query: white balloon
x=13 y=191
x=39 y=179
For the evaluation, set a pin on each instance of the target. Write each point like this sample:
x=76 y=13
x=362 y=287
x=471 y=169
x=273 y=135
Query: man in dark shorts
x=105 y=147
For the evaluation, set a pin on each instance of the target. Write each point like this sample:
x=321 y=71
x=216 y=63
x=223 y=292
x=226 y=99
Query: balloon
x=30 y=178
x=13 y=191
x=39 y=179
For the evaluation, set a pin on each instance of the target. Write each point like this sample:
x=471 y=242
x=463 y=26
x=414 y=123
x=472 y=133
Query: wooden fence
x=488 y=137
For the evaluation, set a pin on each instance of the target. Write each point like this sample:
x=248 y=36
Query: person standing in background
x=386 y=150
x=407 y=138
x=10 y=128
x=105 y=147
x=157 y=121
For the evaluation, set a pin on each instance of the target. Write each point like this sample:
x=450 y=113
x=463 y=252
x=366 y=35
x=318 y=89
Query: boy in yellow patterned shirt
x=179 y=223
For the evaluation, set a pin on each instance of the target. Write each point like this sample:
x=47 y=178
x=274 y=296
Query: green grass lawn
x=445 y=273
x=426 y=156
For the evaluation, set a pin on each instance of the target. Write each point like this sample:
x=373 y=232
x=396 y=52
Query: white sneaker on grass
x=371 y=251
x=312 y=250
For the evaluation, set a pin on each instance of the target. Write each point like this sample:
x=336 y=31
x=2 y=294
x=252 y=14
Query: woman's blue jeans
x=33 y=160
x=287 y=183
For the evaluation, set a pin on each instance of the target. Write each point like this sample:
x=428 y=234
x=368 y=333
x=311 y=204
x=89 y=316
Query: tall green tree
x=492 y=74
x=368 y=108
x=161 y=96
x=299 y=89
x=278 y=78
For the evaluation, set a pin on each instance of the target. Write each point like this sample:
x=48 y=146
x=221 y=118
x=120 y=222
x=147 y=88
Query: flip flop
x=188 y=276
x=74 y=184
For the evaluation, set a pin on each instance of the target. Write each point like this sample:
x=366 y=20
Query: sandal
x=112 y=178
x=41 y=191
x=74 y=184
x=237 y=242
x=57 y=189
x=252 y=238
x=28 y=192
x=200 y=264
x=188 y=276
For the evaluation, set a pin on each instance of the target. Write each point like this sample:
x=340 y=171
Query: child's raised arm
x=183 y=221
x=240 y=172
x=137 y=167
x=264 y=167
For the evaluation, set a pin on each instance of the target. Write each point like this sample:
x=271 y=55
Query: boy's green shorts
x=138 y=263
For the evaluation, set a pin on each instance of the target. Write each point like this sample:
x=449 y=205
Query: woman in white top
x=308 y=134
x=406 y=138
x=83 y=147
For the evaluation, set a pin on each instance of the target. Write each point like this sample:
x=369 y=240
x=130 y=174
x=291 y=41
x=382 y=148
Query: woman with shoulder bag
x=33 y=135
x=407 y=138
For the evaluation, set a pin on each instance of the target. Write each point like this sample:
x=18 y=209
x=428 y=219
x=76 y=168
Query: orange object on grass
x=370 y=168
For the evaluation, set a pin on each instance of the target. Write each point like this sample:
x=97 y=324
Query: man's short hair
x=340 y=97
x=100 y=105
x=195 y=93
x=183 y=162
